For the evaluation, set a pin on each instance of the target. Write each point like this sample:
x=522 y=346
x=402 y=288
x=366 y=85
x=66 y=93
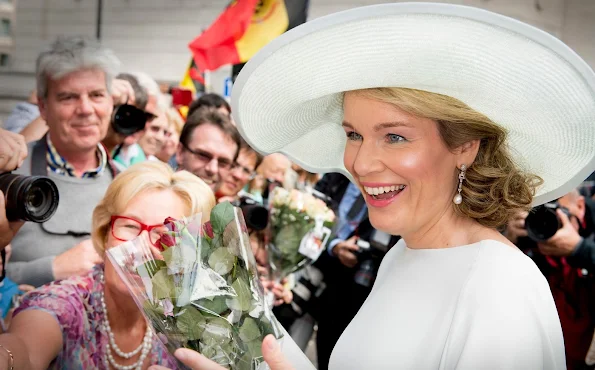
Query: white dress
x=480 y=306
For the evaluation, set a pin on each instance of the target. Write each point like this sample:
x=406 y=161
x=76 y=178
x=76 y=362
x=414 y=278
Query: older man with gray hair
x=76 y=95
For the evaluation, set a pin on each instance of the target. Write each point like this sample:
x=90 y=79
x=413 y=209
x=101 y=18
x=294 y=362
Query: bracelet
x=11 y=357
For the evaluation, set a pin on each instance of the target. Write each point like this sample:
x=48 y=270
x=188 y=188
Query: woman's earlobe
x=467 y=152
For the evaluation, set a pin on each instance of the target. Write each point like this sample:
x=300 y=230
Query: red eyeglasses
x=126 y=228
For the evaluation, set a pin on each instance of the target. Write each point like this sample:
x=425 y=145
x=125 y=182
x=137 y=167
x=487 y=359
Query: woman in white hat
x=449 y=119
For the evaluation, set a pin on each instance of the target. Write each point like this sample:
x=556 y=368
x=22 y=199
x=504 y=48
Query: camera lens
x=128 y=119
x=257 y=217
x=29 y=198
x=542 y=223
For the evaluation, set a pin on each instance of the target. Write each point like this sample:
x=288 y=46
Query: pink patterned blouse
x=76 y=305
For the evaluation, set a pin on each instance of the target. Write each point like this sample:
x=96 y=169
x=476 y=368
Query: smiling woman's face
x=400 y=162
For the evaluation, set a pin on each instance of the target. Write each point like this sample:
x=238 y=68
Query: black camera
x=29 y=198
x=543 y=222
x=128 y=119
x=255 y=215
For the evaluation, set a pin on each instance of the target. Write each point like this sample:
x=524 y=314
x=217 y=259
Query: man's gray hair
x=71 y=54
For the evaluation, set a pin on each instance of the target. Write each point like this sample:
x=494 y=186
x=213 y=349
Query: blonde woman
x=449 y=119
x=91 y=322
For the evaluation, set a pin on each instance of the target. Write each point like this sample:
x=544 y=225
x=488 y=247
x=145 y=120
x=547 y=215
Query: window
x=4 y=59
x=5 y=27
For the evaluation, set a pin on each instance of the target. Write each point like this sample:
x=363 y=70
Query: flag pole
x=208 y=82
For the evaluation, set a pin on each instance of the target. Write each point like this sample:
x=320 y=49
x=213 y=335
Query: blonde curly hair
x=495 y=187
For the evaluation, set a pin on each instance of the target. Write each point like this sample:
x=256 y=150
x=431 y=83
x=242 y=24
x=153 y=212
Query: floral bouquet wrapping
x=198 y=287
x=299 y=227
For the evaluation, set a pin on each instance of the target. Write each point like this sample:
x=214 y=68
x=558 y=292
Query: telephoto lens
x=29 y=198
x=543 y=222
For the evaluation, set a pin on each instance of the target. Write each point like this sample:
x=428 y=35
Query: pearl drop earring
x=458 y=199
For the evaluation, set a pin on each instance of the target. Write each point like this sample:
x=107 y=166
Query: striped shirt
x=57 y=164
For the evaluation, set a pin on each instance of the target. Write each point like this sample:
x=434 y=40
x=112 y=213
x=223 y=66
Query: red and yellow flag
x=243 y=28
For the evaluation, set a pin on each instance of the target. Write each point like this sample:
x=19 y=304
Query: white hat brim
x=288 y=97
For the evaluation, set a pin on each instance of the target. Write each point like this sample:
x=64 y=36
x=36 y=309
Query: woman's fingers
x=273 y=356
x=195 y=360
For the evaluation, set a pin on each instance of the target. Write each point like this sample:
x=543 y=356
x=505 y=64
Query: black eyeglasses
x=206 y=157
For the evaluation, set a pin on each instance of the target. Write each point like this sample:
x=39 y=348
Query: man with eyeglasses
x=209 y=145
x=242 y=171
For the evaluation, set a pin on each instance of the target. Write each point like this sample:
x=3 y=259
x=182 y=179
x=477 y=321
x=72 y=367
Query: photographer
x=567 y=259
x=76 y=96
x=13 y=152
x=575 y=238
x=116 y=136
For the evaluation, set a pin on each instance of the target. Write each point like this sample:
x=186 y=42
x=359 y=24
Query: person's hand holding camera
x=122 y=92
x=7 y=229
x=564 y=242
x=13 y=150
x=516 y=227
x=345 y=252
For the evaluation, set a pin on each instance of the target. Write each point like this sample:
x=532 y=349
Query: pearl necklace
x=144 y=348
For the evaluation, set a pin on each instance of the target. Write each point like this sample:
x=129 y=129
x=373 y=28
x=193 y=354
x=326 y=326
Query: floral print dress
x=76 y=305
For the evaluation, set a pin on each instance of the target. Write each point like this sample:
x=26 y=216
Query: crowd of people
x=70 y=130
x=116 y=147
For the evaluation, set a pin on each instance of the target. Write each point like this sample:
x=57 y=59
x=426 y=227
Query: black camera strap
x=3 y=256
x=38 y=158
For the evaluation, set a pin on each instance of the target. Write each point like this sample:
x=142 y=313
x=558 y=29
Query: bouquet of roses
x=299 y=227
x=198 y=287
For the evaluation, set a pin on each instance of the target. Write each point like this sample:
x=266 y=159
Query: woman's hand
x=281 y=292
x=270 y=350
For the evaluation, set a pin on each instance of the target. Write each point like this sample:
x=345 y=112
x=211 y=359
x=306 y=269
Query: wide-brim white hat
x=288 y=97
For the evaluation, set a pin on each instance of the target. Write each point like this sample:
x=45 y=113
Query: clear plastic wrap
x=199 y=289
x=299 y=229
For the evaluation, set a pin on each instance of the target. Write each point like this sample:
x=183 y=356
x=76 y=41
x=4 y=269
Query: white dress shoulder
x=480 y=306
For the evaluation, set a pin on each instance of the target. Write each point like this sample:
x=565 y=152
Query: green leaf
x=267 y=327
x=191 y=323
x=150 y=268
x=214 y=306
x=244 y=362
x=254 y=348
x=208 y=351
x=249 y=330
x=168 y=255
x=221 y=215
x=152 y=310
x=244 y=295
x=163 y=285
x=217 y=332
x=221 y=261
x=205 y=248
